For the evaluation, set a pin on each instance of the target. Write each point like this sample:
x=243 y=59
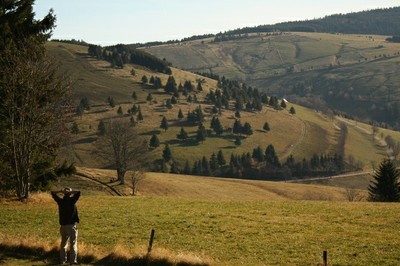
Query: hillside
x=96 y=80
x=377 y=21
x=356 y=74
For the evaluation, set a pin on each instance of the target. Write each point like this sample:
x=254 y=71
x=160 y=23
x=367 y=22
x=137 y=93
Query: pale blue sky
x=108 y=22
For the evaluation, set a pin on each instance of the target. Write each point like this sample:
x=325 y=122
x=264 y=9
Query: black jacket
x=67 y=210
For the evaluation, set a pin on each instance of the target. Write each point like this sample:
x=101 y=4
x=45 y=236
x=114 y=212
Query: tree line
x=378 y=21
x=120 y=54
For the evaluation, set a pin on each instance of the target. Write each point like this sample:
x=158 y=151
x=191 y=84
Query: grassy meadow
x=218 y=232
x=290 y=134
x=209 y=220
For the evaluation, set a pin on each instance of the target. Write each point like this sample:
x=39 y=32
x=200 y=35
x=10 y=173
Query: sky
x=106 y=22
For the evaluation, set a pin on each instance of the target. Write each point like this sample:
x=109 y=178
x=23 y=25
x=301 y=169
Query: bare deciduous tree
x=122 y=148
x=136 y=177
x=33 y=112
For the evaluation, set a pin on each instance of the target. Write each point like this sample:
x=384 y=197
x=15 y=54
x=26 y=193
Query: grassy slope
x=97 y=81
x=228 y=232
x=364 y=67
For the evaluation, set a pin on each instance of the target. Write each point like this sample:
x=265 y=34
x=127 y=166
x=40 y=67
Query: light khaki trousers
x=69 y=232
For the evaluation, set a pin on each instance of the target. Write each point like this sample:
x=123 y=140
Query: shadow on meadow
x=41 y=256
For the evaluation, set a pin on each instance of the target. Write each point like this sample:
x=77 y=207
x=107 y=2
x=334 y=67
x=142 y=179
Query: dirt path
x=381 y=141
x=85 y=175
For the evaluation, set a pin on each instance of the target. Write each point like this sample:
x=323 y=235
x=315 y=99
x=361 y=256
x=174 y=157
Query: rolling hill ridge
x=291 y=135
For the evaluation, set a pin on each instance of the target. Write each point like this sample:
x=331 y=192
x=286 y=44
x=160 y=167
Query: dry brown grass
x=213 y=188
x=119 y=255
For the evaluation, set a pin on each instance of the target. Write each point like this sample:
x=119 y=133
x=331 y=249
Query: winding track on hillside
x=112 y=191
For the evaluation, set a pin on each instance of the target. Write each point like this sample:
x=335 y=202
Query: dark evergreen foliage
x=385 y=185
x=101 y=128
x=164 y=123
x=180 y=114
x=154 y=141
x=182 y=134
x=266 y=126
x=167 y=154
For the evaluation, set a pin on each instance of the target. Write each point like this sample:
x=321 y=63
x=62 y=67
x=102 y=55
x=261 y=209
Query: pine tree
x=213 y=162
x=170 y=87
x=283 y=104
x=266 y=126
x=292 y=110
x=218 y=127
x=180 y=114
x=164 y=123
x=144 y=79
x=237 y=127
x=258 y=154
x=167 y=154
x=134 y=96
x=154 y=141
x=238 y=141
x=385 y=185
x=140 y=116
x=101 y=128
x=120 y=111
x=201 y=133
x=247 y=130
x=220 y=158
x=271 y=157
x=111 y=101
x=182 y=134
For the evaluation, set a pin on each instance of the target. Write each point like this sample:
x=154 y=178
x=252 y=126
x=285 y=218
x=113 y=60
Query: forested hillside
x=378 y=21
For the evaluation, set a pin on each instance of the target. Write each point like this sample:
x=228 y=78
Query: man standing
x=68 y=218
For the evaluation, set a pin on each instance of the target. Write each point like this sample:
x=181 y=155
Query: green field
x=219 y=232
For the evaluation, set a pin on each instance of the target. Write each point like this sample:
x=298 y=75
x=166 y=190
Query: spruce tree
x=180 y=114
x=271 y=157
x=134 y=96
x=120 y=111
x=237 y=127
x=101 y=128
x=266 y=126
x=182 y=134
x=220 y=158
x=201 y=133
x=218 y=127
x=140 y=116
x=213 y=162
x=167 y=154
x=164 y=123
x=154 y=141
x=385 y=185
x=247 y=130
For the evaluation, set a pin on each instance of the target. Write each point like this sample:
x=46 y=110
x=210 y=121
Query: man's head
x=67 y=190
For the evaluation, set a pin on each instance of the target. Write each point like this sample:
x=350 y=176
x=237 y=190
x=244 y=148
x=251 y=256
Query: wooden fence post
x=150 y=246
x=325 y=257
x=151 y=240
